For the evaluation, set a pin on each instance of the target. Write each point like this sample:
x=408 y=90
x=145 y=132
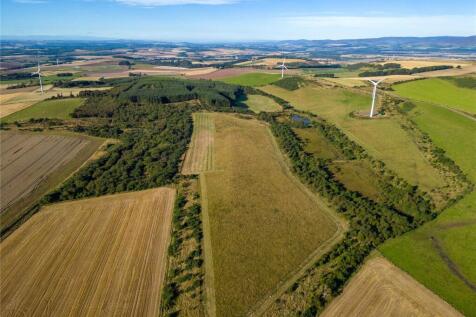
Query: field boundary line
x=290 y=278
x=210 y=304
x=167 y=234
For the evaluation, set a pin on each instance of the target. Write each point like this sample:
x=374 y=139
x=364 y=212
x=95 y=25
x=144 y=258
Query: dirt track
x=98 y=257
x=381 y=289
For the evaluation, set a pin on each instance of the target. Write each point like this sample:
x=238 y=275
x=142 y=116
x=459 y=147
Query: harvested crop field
x=381 y=289
x=13 y=100
x=412 y=63
x=100 y=256
x=31 y=164
x=260 y=223
x=51 y=109
x=199 y=157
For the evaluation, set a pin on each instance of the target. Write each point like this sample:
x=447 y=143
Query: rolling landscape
x=178 y=171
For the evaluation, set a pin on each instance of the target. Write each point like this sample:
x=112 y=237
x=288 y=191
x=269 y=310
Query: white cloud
x=389 y=25
x=155 y=3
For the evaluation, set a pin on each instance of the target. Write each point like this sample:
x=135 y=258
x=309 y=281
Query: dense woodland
x=290 y=83
x=154 y=127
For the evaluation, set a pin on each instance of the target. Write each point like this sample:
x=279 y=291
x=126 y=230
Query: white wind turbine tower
x=38 y=72
x=374 y=95
x=283 y=67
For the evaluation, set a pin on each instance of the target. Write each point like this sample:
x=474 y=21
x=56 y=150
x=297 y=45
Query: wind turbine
x=283 y=67
x=374 y=95
x=38 y=72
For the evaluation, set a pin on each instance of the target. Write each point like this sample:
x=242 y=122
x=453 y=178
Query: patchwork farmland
x=31 y=164
x=381 y=289
x=335 y=105
x=101 y=256
x=441 y=254
x=261 y=224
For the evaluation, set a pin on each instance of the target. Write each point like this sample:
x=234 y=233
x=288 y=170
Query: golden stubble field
x=32 y=163
x=13 y=100
x=199 y=157
x=382 y=289
x=104 y=256
x=261 y=225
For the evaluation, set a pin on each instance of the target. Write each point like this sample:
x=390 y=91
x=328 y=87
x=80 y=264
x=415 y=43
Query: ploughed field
x=101 y=256
x=33 y=163
x=261 y=224
x=381 y=289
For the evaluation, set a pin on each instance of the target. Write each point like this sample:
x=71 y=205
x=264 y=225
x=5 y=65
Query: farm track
x=452 y=266
x=100 y=256
x=381 y=289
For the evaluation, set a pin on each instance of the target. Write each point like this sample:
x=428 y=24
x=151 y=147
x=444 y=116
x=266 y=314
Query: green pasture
x=52 y=109
x=439 y=91
x=455 y=228
x=252 y=79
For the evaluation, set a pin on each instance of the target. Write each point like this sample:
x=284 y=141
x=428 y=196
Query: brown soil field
x=381 y=289
x=33 y=163
x=104 y=256
x=199 y=157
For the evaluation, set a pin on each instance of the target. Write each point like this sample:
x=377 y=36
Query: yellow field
x=381 y=289
x=258 y=103
x=199 y=157
x=270 y=62
x=102 y=256
x=14 y=100
x=89 y=78
x=260 y=223
x=412 y=63
x=348 y=82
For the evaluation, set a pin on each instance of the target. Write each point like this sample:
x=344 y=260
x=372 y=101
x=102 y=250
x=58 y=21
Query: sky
x=237 y=20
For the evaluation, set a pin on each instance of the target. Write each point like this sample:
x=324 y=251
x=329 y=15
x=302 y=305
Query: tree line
x=154 y=133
